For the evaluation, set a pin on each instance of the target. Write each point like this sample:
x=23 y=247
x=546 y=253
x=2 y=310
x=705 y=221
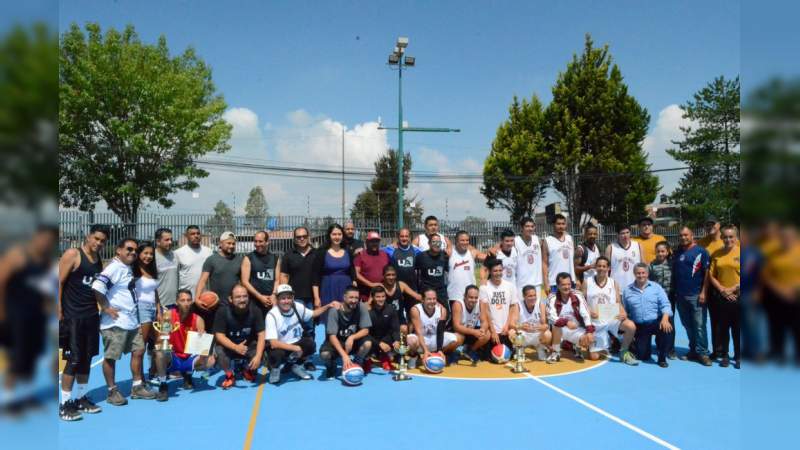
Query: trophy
x=400 y=374
x=164 y=328
x=519 y=352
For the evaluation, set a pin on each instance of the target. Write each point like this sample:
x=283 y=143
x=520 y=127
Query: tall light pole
x=399 y=58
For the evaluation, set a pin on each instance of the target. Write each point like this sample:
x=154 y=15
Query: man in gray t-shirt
x=221 y=270
x=347 y=330
x=167 y=267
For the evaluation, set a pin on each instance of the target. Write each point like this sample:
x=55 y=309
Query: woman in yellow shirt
x=724 y=277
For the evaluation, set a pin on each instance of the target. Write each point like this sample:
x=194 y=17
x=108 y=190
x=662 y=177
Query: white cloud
x=665 y=130
x=246 y=136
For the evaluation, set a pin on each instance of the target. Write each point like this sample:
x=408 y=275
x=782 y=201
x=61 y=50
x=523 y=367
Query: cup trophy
x=519 y=352
x=164 y=327
x=401 y=372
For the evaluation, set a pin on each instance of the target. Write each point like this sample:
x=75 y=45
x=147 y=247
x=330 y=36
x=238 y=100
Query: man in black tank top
x=260 y=269
x=79 y=321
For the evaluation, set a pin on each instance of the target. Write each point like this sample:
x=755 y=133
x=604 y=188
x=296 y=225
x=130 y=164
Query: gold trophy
x=519 y=352
x=401 y=372
x=164 y=328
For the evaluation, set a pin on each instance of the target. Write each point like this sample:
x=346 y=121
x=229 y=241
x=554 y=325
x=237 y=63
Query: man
x=297 y=267
x=586 y=254
x=183 y=321
x=347 y=333
x=570 y=318
x=288 y=334
x=432 y=266
x=402 y=255
x=471 y=323
x=119 y=322
x=530 y=270
x=429 y=319
x=461 y=267
x=530 y=319
x=369 y=265
x=623 y=255
x=385 y=329
x=647 y=240
x=507 y=255
x=239 y=336
x=422 y=241
x=498 y=298
x=79 y=321
x=190 y=259
x=167 y=268
x=349 y=241
x=689 y=267
x=260 y=268
x=647 y=302
x=713 y=242
x=221 y=271
x=603 y=290
x=558 y=253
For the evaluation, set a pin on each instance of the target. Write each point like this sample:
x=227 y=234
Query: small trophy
x=400 y=373
x=519 y=352
x=164 y=328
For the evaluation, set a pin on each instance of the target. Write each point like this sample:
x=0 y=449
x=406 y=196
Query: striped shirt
x=661 y=273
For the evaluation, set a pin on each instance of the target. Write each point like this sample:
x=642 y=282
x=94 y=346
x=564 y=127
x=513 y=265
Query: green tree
x=255 y=210
x=379 y=199
x=595 y=131
x=710 y=148
x=222 y=220
x=516 y=174
x=132 y=120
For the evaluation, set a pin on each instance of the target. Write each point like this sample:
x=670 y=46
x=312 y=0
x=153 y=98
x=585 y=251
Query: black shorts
x=79 y=338
x=25 y=338
x=328 y=347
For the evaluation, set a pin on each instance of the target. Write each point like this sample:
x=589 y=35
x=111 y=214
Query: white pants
x=601 y=338
x=531 y=338
x=430 y=341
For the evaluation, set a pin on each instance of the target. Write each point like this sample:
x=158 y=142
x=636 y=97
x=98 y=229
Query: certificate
x=607 y=312
x=198 y=344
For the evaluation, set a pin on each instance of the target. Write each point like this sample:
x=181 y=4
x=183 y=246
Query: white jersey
x=591 y=256
x=423 y=243
x=600 y=295
x=622 y=262
x=286 y=327
x=470 y=319
x=499 y=299
x=567 y=312
x=116 y=283
x=530 y=317
x=429 y=323
x=509 y=265
x=560 y=257
x=529 y=262
x=460 y=275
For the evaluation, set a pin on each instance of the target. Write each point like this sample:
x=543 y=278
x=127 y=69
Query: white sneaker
x=554 y=358
x=541 y=353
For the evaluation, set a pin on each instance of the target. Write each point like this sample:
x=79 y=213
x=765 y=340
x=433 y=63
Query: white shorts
x=531 y=338
x=572 y=336
x=601 y=339
x=430 y=341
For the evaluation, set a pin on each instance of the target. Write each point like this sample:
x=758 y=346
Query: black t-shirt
x=262 y=271
x=239 y=327
x=385 y=323
x=299 y=269
x=77 y=300
x=432 y=273
x=403 y=261
x=344 y=323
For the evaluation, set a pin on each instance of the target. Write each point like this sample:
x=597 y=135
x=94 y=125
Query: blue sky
x=294 y=73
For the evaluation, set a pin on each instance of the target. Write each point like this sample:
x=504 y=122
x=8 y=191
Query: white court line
x=608 y=415
x=550 y=375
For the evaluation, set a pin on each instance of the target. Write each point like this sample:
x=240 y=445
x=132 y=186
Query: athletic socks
x=65 y=396
x=82 y=390
x=137 y=382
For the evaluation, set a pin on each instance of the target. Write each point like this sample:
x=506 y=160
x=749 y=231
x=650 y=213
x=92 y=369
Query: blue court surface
x=605 y=406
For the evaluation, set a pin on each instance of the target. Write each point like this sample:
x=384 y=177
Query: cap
x=373 y=235
x=646 y=219
x=227 y=235
x=283 y=289
x=711 y=219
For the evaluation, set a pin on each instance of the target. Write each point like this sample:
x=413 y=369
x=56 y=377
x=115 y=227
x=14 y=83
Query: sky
x=294 y=74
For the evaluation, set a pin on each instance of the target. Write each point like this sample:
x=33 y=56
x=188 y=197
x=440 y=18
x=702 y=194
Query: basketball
x=501 y=353
x=208 y=300
x=435 y=363
x=353 y=376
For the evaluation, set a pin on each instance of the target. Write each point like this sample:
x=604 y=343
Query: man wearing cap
x=369 y=266
x=647 y=240
x=221 y=270
x=712 y=241
x=288 y=333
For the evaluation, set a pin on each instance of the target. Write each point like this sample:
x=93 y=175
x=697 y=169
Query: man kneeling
x=429 y=319
x=239 y=332
x=570 y=318
x=471 y=323
x=530 y=319
x=347 y=330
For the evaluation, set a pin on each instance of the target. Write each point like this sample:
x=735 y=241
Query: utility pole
x=343 y=214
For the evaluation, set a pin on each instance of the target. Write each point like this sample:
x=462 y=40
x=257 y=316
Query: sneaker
x=553 y=358
x=705 y=360
x=386 y=363
x=68 y=411
x=578 y=353
x=248 y=375
x=663 y=364
x=299 y=372
x=412 y=362
x=187 y=381
x=541 y=353
x=309 y=366
x=274 y=376
x=724 y=362
x=141 y=392
x=115 y=398
x=736 y=364
x=672 y=355
x=629 y=359
x=330 y=370
x=163 y=392
x=690 y=357
x=367 y=366
x=87 y=406
x=229 y=381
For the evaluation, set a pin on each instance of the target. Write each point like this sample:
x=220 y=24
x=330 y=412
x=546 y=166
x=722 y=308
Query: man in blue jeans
x=690 y=265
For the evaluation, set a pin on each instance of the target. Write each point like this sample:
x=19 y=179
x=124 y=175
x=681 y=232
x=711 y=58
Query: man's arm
x=405 y=289
x=201 y=284
x=580 y=269
x=361 y=278
x=68 y=264
x=318 y=311
x=256 y=361
x=418 y=330
x=200 y=324
x=545 y=264
x=513 y=311
x=284 y=275
x=457 y=326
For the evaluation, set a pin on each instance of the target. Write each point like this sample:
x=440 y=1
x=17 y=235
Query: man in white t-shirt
x=190 y=259
x=498 y=297
x=288 y=334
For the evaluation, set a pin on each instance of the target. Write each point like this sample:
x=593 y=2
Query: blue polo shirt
x=689 y=267
x=646 y=305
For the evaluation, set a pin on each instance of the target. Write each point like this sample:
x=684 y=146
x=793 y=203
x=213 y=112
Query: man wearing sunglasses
x=296 y=268
x=119 y=322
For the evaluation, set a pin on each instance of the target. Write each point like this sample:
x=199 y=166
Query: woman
x=724 y=276
x=396 y=291
x=333 y=269
x=145 y=276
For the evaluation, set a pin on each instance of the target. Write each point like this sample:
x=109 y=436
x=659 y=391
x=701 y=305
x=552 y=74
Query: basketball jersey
x=591 y=257
x=460 y=275
x=78 y=299
x=567 y=312
x=622 y=262
x=499 y=299
x=509 y=265
x=287 y=327
x=529 y=262
x=262 y=271
x=180 y=331
x=394 y=298
x=530 y=317
x=429 y=323
x=470 y=319
x=403 y=260
x=561 y=256
x=597 y=295
x=423 y=242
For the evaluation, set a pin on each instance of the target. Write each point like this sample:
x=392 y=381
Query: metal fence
x=75 y=224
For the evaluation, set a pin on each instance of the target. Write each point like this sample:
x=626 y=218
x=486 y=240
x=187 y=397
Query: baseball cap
x=646 y=219
x=227 y=235
x=711 y=219
x=373 y=235
x=283 y=289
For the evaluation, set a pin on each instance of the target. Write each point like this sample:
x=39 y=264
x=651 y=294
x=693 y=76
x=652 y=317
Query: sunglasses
x=304 y=236
x=130 y=249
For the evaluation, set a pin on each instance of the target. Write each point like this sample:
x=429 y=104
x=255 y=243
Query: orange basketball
x=208 y=300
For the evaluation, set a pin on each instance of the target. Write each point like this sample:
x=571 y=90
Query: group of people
x=427 y=293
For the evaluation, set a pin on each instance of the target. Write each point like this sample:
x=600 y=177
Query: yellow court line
x=248 y=440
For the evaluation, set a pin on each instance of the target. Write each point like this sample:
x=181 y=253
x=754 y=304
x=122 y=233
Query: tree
x=710 y=148
x=255 y=210
x=132 y=120
x=222 y=220
x=595 y=132
x=516 y=174
x=379 y=200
